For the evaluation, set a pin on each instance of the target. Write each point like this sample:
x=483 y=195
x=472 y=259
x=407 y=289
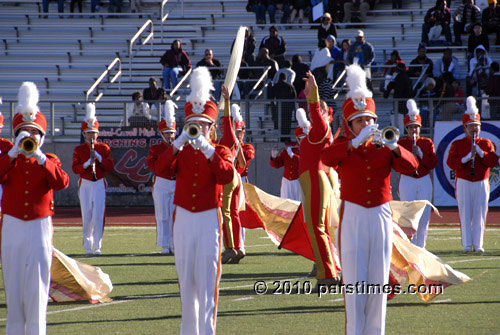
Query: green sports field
x=146 y=297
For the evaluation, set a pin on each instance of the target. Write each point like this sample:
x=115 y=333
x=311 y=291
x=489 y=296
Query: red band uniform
x=417 y=185
x=289 y=159
x=365 y=229
x=28 y=181
x=164 y=182
x=201 y=171
x=316 y=190
x=5 y=146
x=472 y=192
x=92 y=188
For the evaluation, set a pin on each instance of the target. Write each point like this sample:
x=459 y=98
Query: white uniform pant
x=365 y=256
x=26 y=261
x=197 y=239
x=163 y=197
x=472 y=199
x=411 y=189
x=92 y=196
x=290 y=189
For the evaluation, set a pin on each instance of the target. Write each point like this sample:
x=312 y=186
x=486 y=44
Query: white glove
x=40 y=156
x=289 y=151
x=202 y=144
x=420 y=154
x=479 y=151
x=274 y=153
x=98 y=156
x=87 y=163
x=467 y=158
x=364 y=135
x=181 y=140
x=14 y=152
x=392 y=145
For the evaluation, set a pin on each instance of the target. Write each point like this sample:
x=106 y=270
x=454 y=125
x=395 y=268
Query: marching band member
x=471 y=157
x=164 y=183
x=289 y=159
x=233 y=252
x=28 y=177
x=92 y=160
x=5 y=146
x=417 y=185
x=315 y=186
x=201 y=171
x=365 y=229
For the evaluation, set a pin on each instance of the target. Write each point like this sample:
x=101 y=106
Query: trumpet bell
x=192 y=129
x=27 y=146
x=390 y=135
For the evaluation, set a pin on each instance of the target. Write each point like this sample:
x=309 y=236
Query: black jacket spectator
x=283 y=90
x=300 y=69
x=421 y=59
x=402 y=88
x=490 y=20
x=476 y=39
x=275 y=44
x=327 y=27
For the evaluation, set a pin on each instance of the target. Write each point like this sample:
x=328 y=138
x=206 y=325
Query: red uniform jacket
x=249 y=154
x=428 y=160
x=291 y=164
x=28 y=187
x=154 y=152
x=312 y=146
x=5 y=146
x=82 y=154
x=365 y=172
x=460 y=148
x=199 y=184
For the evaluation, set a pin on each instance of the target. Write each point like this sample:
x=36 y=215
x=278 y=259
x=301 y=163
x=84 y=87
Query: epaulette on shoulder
x=51 y=155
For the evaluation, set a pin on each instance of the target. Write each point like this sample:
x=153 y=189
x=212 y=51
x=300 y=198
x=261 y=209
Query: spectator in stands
x=136 y=6
x=421 y=59
x=283 y=91
x=394 y=59
x=287 y=69
x=297 y=8
x=448 y=107
x=275 y=44
x=175 y=63
x=322 y=59
x=60 y=6
x=402 y=90
x=327 y=27
x=439 y=15
x=153 y=93
x=259 y=7
x=245 y=82
x=447 y=63
x=335 y=53
x=477 y=37
x=479 y=71
x=209 y=61
x=263 y=59
x=362 y=53
x=465 y=16
x=72 y=5
x=343 y=57
x=138 y=112
x=429 y=91
x=491 y=20
x=459 y=94
x=325 y=86
x=356 y=5
x=248 y=47
x=95 y=5
x=300 y=70
x=284 y=6
x=493 y=91
x=115 y=6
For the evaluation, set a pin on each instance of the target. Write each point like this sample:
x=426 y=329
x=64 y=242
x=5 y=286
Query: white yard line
x=474 y=260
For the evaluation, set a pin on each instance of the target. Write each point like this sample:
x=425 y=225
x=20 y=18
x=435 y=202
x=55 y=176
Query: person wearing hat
x=471 y=157
x=326 y=27
x=365 y=229
x=289 y=158
x=362 y=52
x=28 y=177
x=490 y=19
x=315 y=185
x=92 y=160
x=164 y=182
x=417 y=185
x=276 y=45
x=201 y=170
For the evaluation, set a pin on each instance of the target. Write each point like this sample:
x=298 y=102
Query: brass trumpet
x=28 y=146
x=388 y=135
x=192 y=129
